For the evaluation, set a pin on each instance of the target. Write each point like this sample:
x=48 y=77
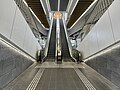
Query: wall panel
x=27 y=41
x=7 y=13
x=14 y=27
x=104 y=31
x=93 y=42
x=86 y=48
x=33 y=46
x=115 y=19
x=107 y=62
x=19 y=29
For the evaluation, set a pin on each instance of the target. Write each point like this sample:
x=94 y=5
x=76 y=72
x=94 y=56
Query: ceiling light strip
x=83 y=13
x=43 y=7
x=15 y=49
x=37 y=18
x=74 y=7
x=48 y=5
x=58 y=5
x=25 y=3
x=69 y=5
x=102 y=52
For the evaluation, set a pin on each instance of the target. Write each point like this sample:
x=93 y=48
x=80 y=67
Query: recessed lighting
x=57 y=15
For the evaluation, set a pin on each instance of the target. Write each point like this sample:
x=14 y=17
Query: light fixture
x=57 y=15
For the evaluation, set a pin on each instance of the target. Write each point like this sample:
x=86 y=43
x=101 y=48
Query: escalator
x=52 y=42
x=64 y=44
x=67 y=52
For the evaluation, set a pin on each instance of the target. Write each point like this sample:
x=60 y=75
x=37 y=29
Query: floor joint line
x=85 y=81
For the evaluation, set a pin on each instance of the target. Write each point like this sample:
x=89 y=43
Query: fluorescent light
x=43 y=7
x=74 y=7
x=25 y=3
x=84 y=13
x=37 y=18
x=102 y=52
x=15 y=49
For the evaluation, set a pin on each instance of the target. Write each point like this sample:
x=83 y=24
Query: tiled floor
x=60 y=77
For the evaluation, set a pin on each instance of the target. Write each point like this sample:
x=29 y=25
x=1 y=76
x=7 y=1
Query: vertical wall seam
x=111 y=25
x=97 y=39
x=88 y=47
x=13 y=23
x=25 y=37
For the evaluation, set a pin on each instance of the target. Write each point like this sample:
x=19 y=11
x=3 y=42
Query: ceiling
x=79 y=10
x=36 y=6
x=54 y=5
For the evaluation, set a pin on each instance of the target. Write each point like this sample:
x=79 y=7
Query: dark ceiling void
x=54 y=5
x=36 y=6
x=79 y=10
x=63 y=5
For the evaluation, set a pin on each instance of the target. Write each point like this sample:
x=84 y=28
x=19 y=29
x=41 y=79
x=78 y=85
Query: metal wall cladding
x=12 y=64
x=108 y=65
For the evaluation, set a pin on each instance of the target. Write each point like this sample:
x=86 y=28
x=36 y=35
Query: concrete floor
x=65 y=76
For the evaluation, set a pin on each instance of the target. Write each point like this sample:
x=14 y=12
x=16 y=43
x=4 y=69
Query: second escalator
x=64 y=43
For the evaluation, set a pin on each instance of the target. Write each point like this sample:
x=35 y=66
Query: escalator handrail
x=48 y=40
x=68 y=41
